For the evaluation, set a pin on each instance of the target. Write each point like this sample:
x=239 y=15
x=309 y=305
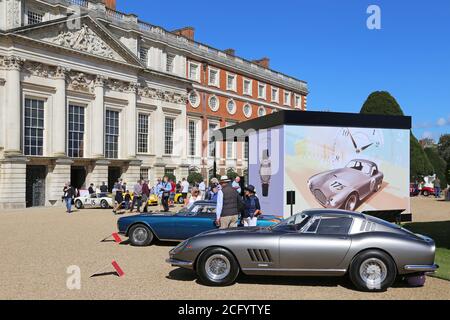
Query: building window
x=247 y=89
x=194 y=71
x=168 y=141
x=194 y=99
x=213 y=77
x=143 y=56
x=231 y=82
x=246 y=150
x=261 y=91
x=231 y=106
x=214 y=103
x=76 y=131
x=144 y=173
x=275 y=95
x=34 y=127
x=261 y=111
x=143 y=133
x=247 y=109
x=287 y=98
x=112 y=134
x=212 y=143
x=170 y=62
x=34 y=17
x=298 y=101
x=192 y=138
x=230 y=146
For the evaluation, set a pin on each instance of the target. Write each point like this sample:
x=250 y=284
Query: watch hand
x=368 y=146
x=353 y=140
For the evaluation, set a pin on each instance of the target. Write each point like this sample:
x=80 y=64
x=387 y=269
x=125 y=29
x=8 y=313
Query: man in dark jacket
x=228 y=205
x=145 y=196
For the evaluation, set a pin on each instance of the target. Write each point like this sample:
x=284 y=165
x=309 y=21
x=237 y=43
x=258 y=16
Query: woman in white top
x=195 y=196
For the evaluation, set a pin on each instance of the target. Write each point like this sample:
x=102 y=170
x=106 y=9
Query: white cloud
x=442 y=122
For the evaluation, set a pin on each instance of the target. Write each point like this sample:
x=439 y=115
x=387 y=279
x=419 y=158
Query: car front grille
x=320 y=197
x=260 y=255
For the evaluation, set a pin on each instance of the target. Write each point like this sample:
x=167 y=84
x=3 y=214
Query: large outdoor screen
x=356 y=169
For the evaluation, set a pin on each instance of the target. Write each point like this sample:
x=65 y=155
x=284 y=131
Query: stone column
x=130 y=122
x=132 y=172
x=58 y=174
x=98 y=115
x=59 y=114
x=13 y=183
x=12 y=110
x=158 y=132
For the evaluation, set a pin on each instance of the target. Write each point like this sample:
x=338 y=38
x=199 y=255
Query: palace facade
x=89 y=94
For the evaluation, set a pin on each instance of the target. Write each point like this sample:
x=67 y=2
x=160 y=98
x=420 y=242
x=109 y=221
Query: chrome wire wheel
x=217 y=267
x=140 y=235
x=351 y=202
x=373 y=272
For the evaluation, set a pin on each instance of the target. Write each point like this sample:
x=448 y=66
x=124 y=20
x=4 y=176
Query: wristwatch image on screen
x=265 y=172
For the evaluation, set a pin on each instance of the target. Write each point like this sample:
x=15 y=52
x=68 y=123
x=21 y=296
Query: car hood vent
x=260 y=255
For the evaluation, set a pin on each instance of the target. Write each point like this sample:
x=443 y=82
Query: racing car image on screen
x=346 y=188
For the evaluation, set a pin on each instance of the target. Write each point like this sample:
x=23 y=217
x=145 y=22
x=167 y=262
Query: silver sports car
x=345 y=188
x=313 y=243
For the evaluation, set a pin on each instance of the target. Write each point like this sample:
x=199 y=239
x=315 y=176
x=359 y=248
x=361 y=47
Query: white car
x=95 y=200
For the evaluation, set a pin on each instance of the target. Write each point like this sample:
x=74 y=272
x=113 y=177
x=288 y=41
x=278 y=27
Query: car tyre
x=140 y=236
x=351 y=203
x=180 y=200
x=373 y=271
x=104 y=204
x=217 y=267
x=78 y=204
x=426 y=193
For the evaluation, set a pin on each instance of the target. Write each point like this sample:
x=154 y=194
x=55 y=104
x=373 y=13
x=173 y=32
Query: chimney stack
x=187 y=32
x=230 y=52
x=110 y=4
x=264 y=62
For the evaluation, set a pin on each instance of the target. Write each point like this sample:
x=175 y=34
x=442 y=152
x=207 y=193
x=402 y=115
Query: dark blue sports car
x=189 y=222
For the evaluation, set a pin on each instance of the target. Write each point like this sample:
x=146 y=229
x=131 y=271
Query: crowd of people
x=234 y=203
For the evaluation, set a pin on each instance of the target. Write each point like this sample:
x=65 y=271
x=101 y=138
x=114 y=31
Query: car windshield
x=294 y=223
x=360 y=166
x=186 y=209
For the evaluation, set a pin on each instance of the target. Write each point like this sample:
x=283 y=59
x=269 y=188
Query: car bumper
x=422 y=268
x=180 y=263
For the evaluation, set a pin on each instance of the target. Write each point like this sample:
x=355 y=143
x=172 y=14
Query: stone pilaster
x=182 y=172
x=57 y=175
x=98 y=173
x=13 y=183
x=59 y=114
x=131 y=125
x=13 y=104
x=132 y=172
x=159 y=171
x=97 y=135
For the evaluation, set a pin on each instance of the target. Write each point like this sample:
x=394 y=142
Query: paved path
x=38 y=245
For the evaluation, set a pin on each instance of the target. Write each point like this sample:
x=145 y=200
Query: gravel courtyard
x=38 y=245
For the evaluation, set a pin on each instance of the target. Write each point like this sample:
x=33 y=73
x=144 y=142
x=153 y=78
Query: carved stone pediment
x=78 y=81
x=86 y=38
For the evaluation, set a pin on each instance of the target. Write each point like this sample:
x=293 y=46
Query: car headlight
x=180 y=247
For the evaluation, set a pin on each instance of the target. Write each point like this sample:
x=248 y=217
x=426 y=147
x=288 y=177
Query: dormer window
x=34 y=17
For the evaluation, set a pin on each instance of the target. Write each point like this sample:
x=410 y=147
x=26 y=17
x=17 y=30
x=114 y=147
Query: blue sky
x=328 y=44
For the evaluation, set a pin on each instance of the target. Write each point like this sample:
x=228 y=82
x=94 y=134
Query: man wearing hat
x=228 y=203
x=252 y=207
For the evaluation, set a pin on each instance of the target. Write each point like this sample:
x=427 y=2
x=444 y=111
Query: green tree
x=444 y=152
x=382 y=102
x=171 y=177
x=194 y=178
x=439 y=164
x=232 y=174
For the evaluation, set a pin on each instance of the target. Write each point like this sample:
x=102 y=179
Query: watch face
x=266 y=167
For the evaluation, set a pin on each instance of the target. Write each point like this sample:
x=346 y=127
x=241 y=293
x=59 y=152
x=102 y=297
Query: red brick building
x=233 y=91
